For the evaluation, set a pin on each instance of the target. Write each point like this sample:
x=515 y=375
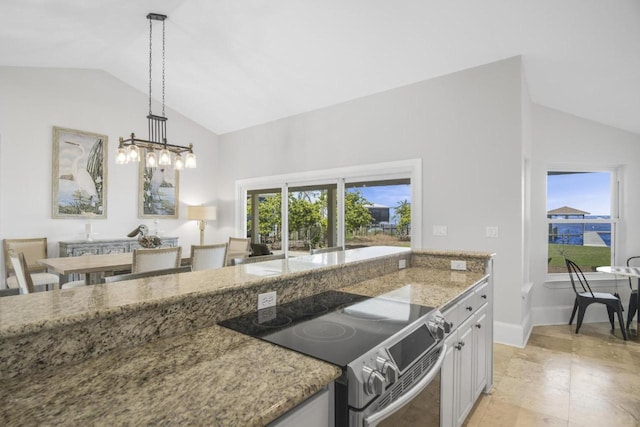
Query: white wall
x=563 y=139
x=33 y=100
x=465 y=126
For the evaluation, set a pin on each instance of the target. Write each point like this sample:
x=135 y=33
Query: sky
x=590 y=192
x=387 y=195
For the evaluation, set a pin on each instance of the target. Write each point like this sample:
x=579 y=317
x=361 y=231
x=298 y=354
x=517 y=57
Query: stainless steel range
x=390 y=352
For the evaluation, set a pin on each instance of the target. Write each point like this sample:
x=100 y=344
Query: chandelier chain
x=163 y=69
x=150 y=59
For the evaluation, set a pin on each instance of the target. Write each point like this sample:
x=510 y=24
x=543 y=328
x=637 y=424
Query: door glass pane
x=265 y=225
x=378 y=213
x=312 y=218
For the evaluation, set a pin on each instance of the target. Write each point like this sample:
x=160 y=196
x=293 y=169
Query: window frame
x=614 y=220
x=403 y=169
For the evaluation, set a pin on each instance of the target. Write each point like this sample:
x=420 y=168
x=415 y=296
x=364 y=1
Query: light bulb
x=151 y=159
x=190 y=160
x=121 y=156
x=134 y=153
x=165 y=157
x=179 y=164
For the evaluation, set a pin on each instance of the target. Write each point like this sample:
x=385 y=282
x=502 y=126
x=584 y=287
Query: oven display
x=411 y=347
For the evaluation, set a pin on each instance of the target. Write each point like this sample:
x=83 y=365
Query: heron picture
x=79 y=174
x=158 y=192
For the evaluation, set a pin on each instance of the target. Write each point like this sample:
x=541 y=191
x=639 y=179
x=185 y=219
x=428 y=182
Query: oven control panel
x=378 y=369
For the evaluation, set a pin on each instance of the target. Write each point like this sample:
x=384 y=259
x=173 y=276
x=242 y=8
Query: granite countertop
x=20 y=314
x=213 y=375
x=424 y=286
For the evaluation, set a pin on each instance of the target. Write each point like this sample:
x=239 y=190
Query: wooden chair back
x=32 y=249
x=21 y=270
x=206 y=257
x=155 y=259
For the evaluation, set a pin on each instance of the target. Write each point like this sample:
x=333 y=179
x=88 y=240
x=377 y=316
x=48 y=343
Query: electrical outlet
x=402 y=264
x=458 y=265
x=266 y=300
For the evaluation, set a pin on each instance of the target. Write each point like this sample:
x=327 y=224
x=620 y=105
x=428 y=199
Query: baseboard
x=560 y=315
x=511 y=334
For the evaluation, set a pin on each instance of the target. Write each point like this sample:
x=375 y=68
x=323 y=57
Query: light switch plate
x=492 y=231
x=439 y=230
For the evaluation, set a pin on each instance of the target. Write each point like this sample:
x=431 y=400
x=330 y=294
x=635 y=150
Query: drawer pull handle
x=459 y=345
x=483 y=296
x=478 y=325
x=470 y=308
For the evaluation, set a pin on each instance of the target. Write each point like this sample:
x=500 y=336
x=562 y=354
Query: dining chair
x=238 y=248
x=151 y=273
x=24 y=277
x=326 y=250
x=633 y=298
x=206 y=257
x=585 y=297
x=33 y=250
x=253 y=259
x=155 y=259
x=21 y=271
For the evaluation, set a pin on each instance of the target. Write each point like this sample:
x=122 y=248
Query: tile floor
x=564 y=379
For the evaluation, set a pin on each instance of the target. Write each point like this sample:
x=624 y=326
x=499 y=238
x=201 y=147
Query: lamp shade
x=201 y=213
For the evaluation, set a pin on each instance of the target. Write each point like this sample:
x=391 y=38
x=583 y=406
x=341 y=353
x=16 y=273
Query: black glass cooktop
x=333 y=326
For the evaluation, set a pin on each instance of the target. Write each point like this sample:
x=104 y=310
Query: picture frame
x=158 y=191
x=79 y=174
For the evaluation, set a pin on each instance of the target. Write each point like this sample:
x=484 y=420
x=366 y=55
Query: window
x=378 y=213
x=352 y=207
x=581 y=223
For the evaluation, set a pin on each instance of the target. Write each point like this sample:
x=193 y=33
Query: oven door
x=419 y=405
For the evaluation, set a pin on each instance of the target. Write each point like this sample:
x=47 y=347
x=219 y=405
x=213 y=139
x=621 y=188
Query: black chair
x=586 y=297
x=633 y=299
x=152 y=273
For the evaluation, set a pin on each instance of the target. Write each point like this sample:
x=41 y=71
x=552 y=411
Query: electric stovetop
x=333 y=326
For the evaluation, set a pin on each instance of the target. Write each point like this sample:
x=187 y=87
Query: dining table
x=89 y=264
x=626 y=271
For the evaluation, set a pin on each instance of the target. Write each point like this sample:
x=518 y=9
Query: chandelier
x=131 y=150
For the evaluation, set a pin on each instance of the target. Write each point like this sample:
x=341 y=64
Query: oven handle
x=373 y=419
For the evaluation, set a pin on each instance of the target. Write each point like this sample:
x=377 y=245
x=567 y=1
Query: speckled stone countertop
x=30 y=313
x=424 y=286
x=214 y=377
x=211 y=375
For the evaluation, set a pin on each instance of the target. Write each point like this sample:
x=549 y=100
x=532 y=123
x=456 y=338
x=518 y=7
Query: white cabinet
x=313 y=412
x=465 y=368
x=464 y=354
x=480 y=348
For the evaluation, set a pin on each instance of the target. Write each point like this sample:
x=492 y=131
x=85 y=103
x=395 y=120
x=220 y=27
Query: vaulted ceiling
x=232 y=64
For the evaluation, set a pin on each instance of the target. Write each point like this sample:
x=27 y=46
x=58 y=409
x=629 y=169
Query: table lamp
x=202 y=214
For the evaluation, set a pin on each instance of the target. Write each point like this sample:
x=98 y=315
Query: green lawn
x=587 y=257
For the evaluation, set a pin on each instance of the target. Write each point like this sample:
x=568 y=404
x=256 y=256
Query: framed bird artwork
x=79 y=174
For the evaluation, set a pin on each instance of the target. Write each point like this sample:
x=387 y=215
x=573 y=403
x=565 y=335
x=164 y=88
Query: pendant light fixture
x=132 y=149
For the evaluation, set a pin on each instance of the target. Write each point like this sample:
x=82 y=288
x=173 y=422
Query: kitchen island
x=208 y=374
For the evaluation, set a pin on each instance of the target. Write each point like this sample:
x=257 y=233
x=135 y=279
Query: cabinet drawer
x=482 y=295
x=467 y=306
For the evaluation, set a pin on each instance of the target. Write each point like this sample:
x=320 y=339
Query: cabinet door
x=465 y=368
x=113 y=249
x=447 y=383
x=480 y=344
